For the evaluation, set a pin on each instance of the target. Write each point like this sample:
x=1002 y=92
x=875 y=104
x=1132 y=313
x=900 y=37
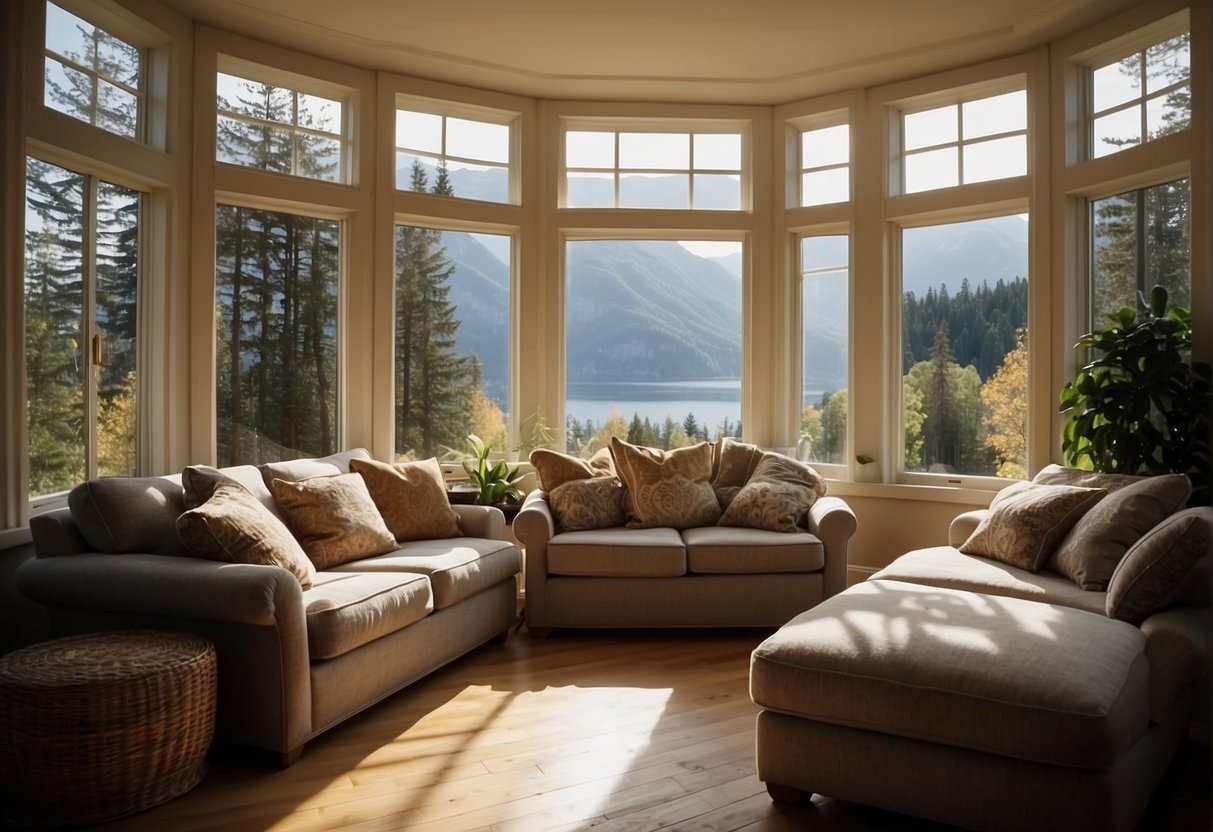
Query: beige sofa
x=292 y=662
x=669 y=577
x=970 y=691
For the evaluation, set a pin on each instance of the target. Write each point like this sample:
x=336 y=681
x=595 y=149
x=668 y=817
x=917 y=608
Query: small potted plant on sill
x=868 y=470
x=496 y=482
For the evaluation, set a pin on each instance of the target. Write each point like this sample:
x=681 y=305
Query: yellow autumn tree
x=1005 y=400
x=487 y=420
x=116 y=432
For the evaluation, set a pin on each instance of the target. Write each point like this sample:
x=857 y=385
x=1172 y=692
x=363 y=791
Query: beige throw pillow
x=1026 y=521
x=334 y=518
x=1152 y=572
x=411 y=497
x=777 y=496
x=591 y=503
x=555 y=469
x=666 y=488
x=1089 y=553
x=234 y=527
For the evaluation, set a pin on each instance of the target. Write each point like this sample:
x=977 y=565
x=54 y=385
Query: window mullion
x=88 y=326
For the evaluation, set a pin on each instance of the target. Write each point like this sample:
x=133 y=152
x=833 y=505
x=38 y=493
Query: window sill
x=918 y=493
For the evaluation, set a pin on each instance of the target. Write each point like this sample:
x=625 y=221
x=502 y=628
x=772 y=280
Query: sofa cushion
x=411 y=496
x=126 y=515
x=1026 y=680
x=334 y=518
x=293 y=470
x=1055 y=474
x=346 y=610
x=1089 y=553
x=946 y=566
x=618 y=553
x=1153 y=570
x=233 y=526
x=457 y=567
x=722 y=550
x=1026 y=521
x=591 y=503
x=198 y=483
x=777 y=496
x=666 y=488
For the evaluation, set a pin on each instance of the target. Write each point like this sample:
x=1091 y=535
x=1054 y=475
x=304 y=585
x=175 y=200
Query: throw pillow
x=411 y=496
x=734 y=463
x=1055 y=474
x=666 y=488
x=198 y=483
x=777 y=496
x=234 y=527
x=592 y=503
x=1153 y=570
x=555 y=469
x=1026 y=521
x=1089 y=553
x=334 y=518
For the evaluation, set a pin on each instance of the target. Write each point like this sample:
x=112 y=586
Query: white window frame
x=822 y=121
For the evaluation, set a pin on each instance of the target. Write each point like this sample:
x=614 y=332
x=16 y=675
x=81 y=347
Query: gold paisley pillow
x=734 y=463
x=411 y=496
x=555 y=469
x=1026 y=521
x=591 y=503
x=666 y=488
x=234 y=527
x=777 y=497
x=333 y=518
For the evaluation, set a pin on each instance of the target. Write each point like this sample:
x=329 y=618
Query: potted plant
x=1141 y=405
x=496 y=481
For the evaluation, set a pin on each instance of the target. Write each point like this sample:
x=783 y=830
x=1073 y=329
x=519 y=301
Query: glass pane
x=487 y=182
x=997 y=114
x=964 y=356
x=1115 y=132
x=996 y=159
x=254 y=99
x=117 y=110
x=824 y=326
x=717 y=192
x=717 y=151
x=822 y=187
x=655 y=151
x=451 y=341
x=55 y=355
x=590 y=190
x=68 y=90
x=827 y=146
x=478 y=140
x=929 y=127
x=276 y=278
x=117 y=320
x=253 y=145
x=117 y=59
x=931 y=169
x=419 y=131
x=415 y=173
x=1168 y=244
x=1170 y=113
x=68 y=35
x=653 y=342
x=319 y=158
x=1168 y=63
x=1114 y=246
x=589 y=149
x=1117 y=83
x=640 y=190
x=319 y=113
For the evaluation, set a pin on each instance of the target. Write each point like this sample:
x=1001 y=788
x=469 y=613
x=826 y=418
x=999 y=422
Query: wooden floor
x=614 y=731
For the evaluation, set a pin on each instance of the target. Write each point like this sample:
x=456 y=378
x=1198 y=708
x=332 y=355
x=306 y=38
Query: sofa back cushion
x=120 y=515
x=666 y=488
x=293 y=470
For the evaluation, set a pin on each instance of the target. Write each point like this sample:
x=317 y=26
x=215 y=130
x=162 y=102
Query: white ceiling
x=727 y=51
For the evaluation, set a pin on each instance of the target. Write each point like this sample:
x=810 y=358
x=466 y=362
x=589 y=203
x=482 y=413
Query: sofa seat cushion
x=946 y=566
x=726 y=550
x=1032 y=681
x=458 y=567
x=346 y=610
x=618 y=553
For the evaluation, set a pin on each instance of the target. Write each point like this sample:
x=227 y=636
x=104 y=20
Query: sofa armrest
x=1177 y=647
x=487 y=522
x=534 y=527
x=964 y=524
x=833 y=521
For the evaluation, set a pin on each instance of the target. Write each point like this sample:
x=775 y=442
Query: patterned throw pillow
x=1153 y=570
x=1026 y=521
x=333 y=518
x=555 y=469
x=666 y=488
x=734 y=464
x=591 y=503
x=233 y=526
x=411 y=496
x=777 y=497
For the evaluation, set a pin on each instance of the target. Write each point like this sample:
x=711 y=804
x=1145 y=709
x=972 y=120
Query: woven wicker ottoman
x=98 y=726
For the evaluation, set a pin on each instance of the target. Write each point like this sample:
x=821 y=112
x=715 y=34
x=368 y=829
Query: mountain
x=982 y=251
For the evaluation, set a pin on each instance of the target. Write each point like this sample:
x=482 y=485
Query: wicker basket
x=98 y=726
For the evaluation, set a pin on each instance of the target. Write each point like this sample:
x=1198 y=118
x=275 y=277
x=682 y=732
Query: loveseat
x=980 y=684
x=302 y=644
x=716 y=535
